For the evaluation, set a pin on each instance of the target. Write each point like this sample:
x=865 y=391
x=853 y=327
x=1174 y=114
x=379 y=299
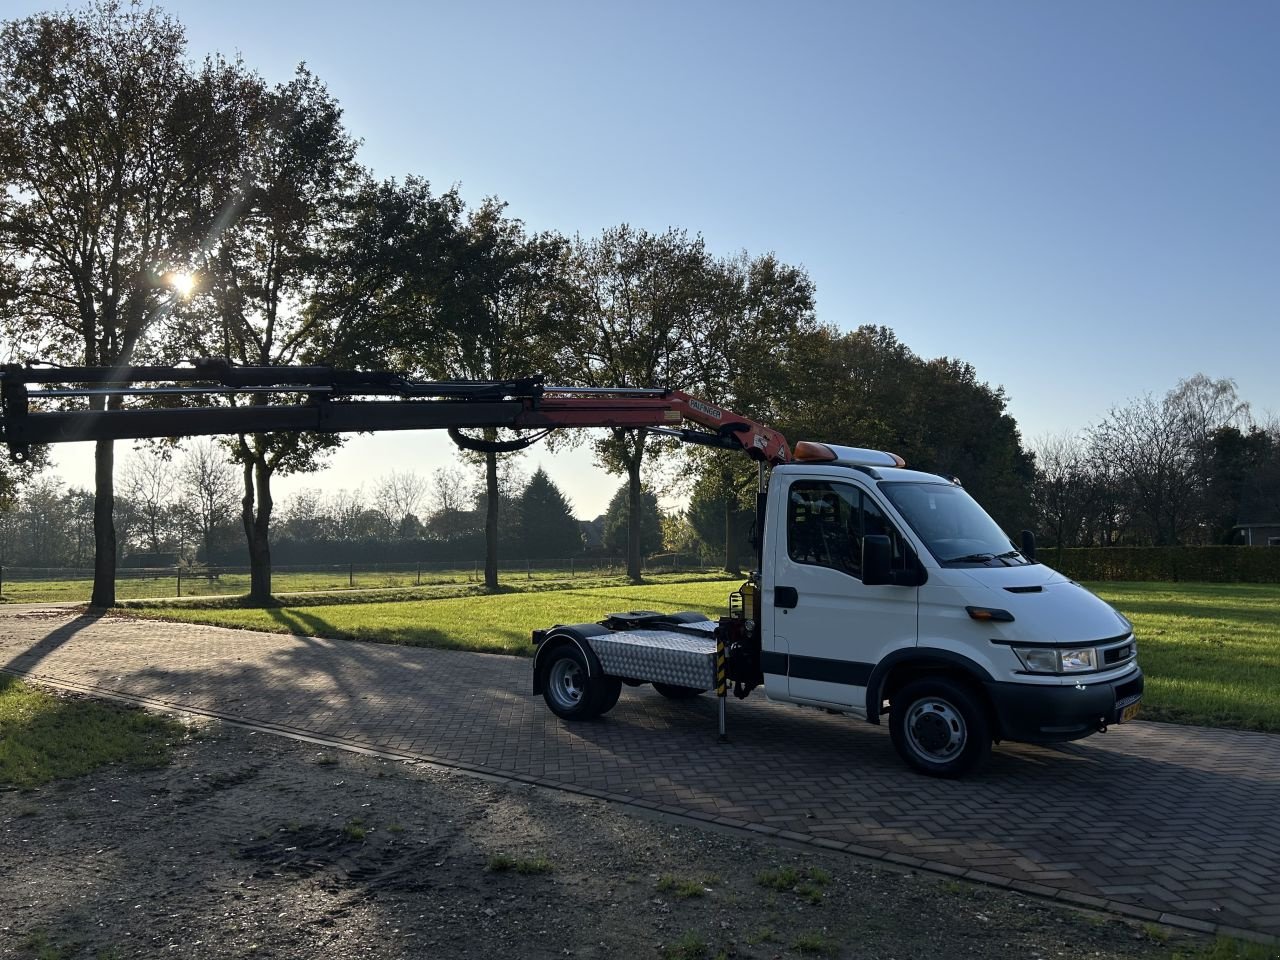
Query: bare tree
x=1062 y=486
x=1207 y=406
x=448 y=490
x=1147 y=445
x=150 y=482
x=450 y=513
x=210 y=490
x=399 y=497
x=1155 y=460
x=1209 y=409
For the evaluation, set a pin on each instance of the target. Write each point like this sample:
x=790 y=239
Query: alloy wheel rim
x=935 y=730
x=566 y=683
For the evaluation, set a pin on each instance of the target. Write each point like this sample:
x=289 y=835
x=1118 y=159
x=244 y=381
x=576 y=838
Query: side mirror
x=876 y=560
x=1028 y=544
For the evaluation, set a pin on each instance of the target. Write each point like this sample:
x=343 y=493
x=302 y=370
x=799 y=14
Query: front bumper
x=1039 y=713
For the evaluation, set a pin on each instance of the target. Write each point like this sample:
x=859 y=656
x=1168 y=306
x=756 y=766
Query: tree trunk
x=104 y=527
x=256 y=519
x=635 y=511
x=491 y=521
x=731 y=564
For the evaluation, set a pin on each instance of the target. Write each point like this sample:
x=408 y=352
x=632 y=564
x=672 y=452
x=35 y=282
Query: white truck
x=882 y=593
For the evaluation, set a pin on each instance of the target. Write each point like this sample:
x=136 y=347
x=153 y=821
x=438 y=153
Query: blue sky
x=1082 y=200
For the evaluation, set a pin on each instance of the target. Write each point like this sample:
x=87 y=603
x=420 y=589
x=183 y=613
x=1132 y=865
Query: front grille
x=1117 y=654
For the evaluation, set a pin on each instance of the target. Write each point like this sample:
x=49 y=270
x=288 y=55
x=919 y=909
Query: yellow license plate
x=1129 y=712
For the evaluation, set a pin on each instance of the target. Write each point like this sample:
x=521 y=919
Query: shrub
x=1194 y=564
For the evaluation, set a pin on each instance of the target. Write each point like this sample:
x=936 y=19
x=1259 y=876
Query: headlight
x=1052 y=660
x=1075 y=660
x=1038 y=659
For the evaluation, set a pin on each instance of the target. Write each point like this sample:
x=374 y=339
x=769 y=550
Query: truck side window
x=827 y=521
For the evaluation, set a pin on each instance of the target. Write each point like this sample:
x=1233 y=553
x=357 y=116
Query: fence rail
x=75 y=583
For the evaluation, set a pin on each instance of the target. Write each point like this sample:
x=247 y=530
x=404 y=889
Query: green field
x=495 y=623
x=162 y=584
x=1211 y=652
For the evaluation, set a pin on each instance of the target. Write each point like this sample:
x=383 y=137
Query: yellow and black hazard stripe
x=721 y=687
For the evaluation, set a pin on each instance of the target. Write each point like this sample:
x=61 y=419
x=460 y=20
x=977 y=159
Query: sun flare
x=182 y=283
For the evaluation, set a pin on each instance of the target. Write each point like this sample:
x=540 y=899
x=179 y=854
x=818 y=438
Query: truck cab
x=889 y=592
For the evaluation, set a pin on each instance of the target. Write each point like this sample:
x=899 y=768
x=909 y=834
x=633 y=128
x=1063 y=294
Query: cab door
x=834 y=628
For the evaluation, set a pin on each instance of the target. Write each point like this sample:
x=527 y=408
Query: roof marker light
x=809 y=451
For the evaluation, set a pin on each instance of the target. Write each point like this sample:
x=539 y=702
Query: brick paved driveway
x=1180 y=821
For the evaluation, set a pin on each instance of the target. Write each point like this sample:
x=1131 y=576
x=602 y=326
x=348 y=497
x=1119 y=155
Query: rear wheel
x=571 y=691
x=940 y=727
x=674 y=692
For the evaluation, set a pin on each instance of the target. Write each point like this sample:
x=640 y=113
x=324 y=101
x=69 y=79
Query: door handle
x=785 y=597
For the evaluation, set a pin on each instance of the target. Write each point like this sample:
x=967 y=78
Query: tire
x=940 y=727
x=571 y=692
x=673 y=692
x=610 y=689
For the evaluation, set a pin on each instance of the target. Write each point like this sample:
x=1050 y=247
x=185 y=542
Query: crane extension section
x=677 y=652
x=344 y=401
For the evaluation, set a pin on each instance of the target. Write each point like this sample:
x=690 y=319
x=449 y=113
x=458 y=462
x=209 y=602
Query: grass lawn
x=1211 y=652
x=495 y=623
x=44 y=737
x=131 y=586
x=136 y=584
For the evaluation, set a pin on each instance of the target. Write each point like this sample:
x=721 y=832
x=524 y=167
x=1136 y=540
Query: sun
x=182 y=283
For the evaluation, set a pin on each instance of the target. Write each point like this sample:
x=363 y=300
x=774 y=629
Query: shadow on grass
x=307 y=625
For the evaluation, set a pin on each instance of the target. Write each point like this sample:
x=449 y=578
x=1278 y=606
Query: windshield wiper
x=1010 y=554
x=972 y=558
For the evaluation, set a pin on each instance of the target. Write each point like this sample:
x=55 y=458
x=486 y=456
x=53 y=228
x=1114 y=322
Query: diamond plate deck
x=662 y=656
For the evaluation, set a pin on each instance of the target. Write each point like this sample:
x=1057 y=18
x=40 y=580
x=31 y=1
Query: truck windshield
x=956 y=530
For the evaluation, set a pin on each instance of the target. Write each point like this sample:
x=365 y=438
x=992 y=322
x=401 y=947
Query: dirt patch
x=253 y=846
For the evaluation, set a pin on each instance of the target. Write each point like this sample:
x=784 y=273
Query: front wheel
x=940 y=727
x=572 y=692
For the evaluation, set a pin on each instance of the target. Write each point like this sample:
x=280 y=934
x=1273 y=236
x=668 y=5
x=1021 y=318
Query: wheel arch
x=577 y=635
x=902 y=666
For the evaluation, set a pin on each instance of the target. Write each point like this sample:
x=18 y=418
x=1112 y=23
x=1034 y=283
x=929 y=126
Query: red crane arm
x=661 y=411
x=337 y=401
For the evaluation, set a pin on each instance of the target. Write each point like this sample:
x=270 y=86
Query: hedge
x=1202 y=564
